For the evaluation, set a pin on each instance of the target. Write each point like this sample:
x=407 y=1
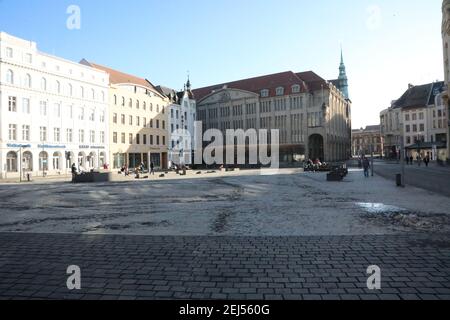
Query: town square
x=206 y=151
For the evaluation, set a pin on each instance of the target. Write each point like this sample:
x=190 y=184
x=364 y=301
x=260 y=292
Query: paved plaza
x=225 y=236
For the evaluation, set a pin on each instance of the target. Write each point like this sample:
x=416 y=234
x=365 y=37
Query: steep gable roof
x=415 y=97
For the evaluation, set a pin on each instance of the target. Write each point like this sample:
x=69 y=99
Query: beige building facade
x=312 y=115
x=417 y=123
x=367 y=141
x=138 y=122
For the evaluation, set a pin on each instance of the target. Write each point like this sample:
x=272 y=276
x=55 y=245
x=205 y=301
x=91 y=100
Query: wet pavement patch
x=380 y=208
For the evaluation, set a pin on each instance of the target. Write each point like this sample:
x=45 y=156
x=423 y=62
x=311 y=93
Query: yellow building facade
x=138 y=122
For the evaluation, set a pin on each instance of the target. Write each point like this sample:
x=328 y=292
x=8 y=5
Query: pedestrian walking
x=74 y=172
x=366 y=166
x=152 y=168
x=426 y=161
x=411 y=160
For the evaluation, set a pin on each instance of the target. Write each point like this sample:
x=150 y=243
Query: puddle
x=380 y=208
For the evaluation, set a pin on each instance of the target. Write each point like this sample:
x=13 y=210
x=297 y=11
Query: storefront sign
x=49 y=146
x=11 y=145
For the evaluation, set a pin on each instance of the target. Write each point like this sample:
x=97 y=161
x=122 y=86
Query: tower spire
x=343 y=80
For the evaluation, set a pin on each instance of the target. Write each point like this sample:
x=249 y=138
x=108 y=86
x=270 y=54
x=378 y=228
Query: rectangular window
x=57 y=110
x=102 y=136
x=130 y=138
x=28 y=58
x=151 y=139
x=157 y=124
x=151 y=123
x=114 y=137
x=138 y=121
x=25 y=133
x=43 y=108
x=92 y=136
x=144 y=122
x=122 y=119
x=422 y=127
x=164 y=140
x=138 y=138
x=69 y=135
x=13 y=132
x=164 y=125
x=81 y=136
x=92 y=115
x=81 y=114
x=144 y=139
x=12 y=104
x=57 y=135
x=115 y=118
x=157 y=140
x=408 y=128
x=43 y=134
x=130 y=122
x=122 y=138
x=102 y=116
x=26 y=105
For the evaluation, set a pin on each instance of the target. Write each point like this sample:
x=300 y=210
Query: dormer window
x=280 y=91
x=264 y=93
x=295 y=88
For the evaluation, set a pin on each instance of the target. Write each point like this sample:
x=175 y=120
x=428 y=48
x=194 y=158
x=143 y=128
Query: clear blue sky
x=387 y=44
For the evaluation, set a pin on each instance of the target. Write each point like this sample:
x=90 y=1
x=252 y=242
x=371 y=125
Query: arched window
x=57 y=161
x=27 y=161
x=10 y=77
x=137 y=104
x=144 y=105
x=280 y=91
x=11 y=162
x=44 y=84
x=264 y=93
x=295 y=88
x=43 y=161
x=28 y=81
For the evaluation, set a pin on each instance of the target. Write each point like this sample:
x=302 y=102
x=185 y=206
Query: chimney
x=410 y=86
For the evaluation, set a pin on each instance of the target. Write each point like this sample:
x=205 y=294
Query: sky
x=387 y=44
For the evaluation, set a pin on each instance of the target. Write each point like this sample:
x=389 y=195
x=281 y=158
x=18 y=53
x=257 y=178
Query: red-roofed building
x=312 y=115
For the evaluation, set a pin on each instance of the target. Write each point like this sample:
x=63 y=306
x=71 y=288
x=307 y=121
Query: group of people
x=426 y=160
x=315 y=165
x=139 y=169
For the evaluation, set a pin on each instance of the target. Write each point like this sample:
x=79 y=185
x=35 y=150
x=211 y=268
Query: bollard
x=398 y=179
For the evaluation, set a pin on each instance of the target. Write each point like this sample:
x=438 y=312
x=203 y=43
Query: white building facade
x=181 y=120
x=53 y=112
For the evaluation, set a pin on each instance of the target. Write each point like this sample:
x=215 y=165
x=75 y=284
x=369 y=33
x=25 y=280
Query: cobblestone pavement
x=413 y=266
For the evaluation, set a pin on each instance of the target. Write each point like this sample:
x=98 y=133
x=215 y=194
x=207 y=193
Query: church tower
x=343 y=80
